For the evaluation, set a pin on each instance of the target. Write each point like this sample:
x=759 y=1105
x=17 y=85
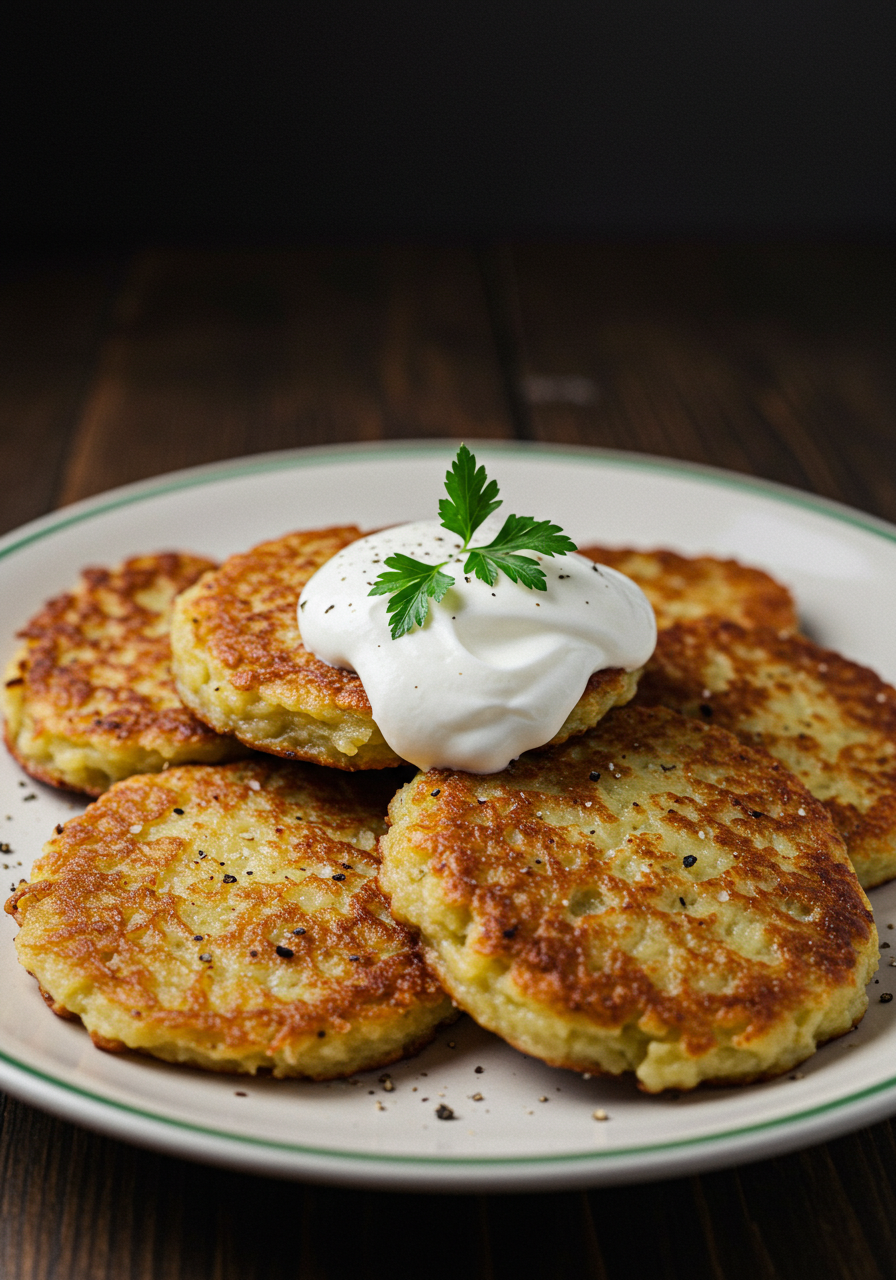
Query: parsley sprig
x=472 y=497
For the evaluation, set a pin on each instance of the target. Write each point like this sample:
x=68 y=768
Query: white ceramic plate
x=534 y=1127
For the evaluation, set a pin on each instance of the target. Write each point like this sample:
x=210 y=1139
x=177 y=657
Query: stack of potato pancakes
x=673 y=887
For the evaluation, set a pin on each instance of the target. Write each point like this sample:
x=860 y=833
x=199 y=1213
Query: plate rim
x=644 y=1161
x=435 y=1162
x=314 y=455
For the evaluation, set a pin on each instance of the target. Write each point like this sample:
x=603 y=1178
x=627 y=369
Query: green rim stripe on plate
x=454 y=1161
x=200 y=476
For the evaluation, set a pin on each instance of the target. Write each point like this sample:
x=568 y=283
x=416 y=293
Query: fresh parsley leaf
x=412 y=585
x=519 y=533
x=485 y=565
x=523 y=533
x=470 y=499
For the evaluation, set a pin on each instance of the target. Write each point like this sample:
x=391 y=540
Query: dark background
x=656 y=118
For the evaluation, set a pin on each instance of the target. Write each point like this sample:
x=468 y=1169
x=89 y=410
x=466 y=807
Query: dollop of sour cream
x=495 y=670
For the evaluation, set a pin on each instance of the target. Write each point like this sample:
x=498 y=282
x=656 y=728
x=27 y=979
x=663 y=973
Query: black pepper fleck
x=594 y=776
x=436 y=792
x=689 y=860
x=886 y=997
x=338 y=876
x=447 y=1113
x=180 y=811
x=682 y=901
x=205 y=956
x=509 y=933
x=230 y=879
x=197 y=937
x=298 y=931
x=284 y=952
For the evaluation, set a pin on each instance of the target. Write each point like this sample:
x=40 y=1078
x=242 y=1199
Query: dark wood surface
x=777 y=362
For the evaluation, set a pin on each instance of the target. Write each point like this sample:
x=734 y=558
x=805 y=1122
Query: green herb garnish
x=472 y=497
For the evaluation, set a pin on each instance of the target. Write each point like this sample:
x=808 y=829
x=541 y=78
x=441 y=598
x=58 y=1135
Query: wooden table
x=773 y=361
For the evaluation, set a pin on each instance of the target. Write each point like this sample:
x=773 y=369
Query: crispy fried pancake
x=89 y=698
x=240 y=664
x=829 y=720
x=683 y=588
x=652 y=896
x=229 y=917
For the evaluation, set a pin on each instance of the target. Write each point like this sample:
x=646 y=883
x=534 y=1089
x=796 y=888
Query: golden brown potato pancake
x=229 y=917
x=829 y=720
x=89 y=698
x=652 y=896
x=241 y=667
x=685 y=588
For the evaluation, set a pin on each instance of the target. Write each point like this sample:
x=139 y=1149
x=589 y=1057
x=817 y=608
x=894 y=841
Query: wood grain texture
x=778 y=362
x=774 y=362
x=52 y=318
x=217 y=354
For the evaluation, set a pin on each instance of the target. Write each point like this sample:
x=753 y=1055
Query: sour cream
x=495 y=670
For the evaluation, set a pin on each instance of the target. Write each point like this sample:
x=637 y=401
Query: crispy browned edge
x=59 y=621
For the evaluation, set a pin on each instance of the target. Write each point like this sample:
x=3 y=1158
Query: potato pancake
x=241 y=667
x=653 y=896
x=829 y=720
x=684 y=588
x=229 y=917
x=89 y=698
